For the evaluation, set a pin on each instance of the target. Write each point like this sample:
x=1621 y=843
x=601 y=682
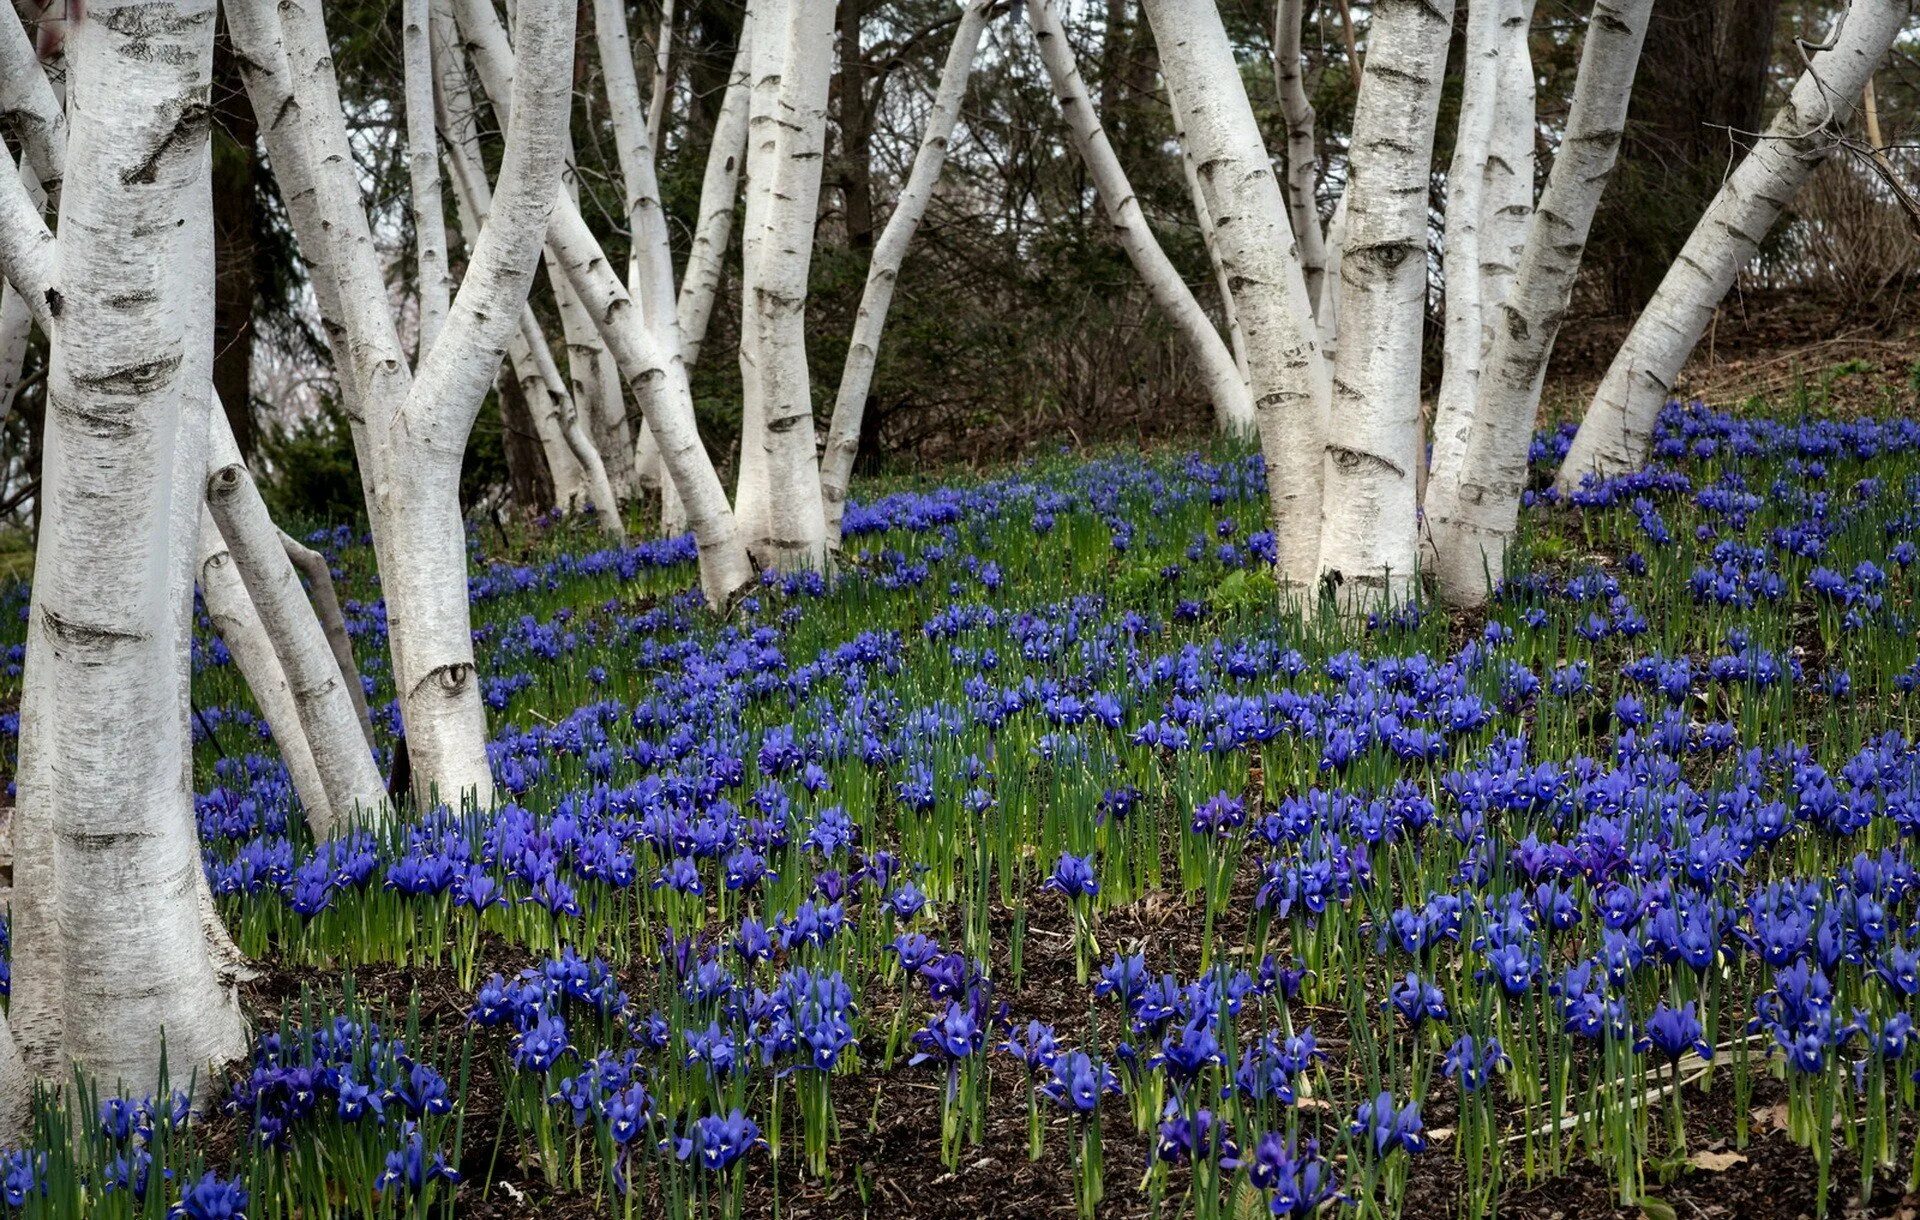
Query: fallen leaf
x=1770 y=1118
x=1717 y=1162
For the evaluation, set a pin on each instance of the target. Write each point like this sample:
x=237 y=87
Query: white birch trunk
x=233 y=616
x=1303 y=155
x=423 y=169
x=751 y=493
x=1232 y=407
x=1510 y=169
x=662 y=78
x=719 y=187
x=548 y=405
x=1368 y=534
x=356 y=793
x=110 y=956
x=883 y=270
x=1291 y=388
x=650 y=260
x=1473 y=518
x=1332 y=284
x=416 y=426
x=312 y=565
x=1467 y=217
x=795 y=533
x=1236 y=341
x=30 y=110
x=16 y=328
x=1614 y=435
x=566 y=418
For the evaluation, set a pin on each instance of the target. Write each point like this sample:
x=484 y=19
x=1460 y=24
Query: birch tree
x=110 y=956
x=889 y=253
x=1367 y=539
x=1469 y=177
x=328 y=720
x=657 y=383
x=411 y=425
x=1473 y=517
x=1508 y=195
x=1614 y=435
x=719 y=191
x=1303 y=155
x=1232 y=409
x=1290 y=384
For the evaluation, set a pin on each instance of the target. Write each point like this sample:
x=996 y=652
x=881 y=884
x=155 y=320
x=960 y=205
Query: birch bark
x=1614 y=435
x=1368 y=533
x=1473 y=518
x=1467 y=225
x=110 y=955
x=312 y=565
x=1510 y=169
x=1303 y=155
x=795 y=537
x=234 y=617
x=719 y=188
x=356 y=792
x=1290 y=385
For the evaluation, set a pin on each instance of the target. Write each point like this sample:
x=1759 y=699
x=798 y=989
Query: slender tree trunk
x=312 y=565
x=719 y=189
x=235 y=252
x=751 y=494
x=1614 y=436
x=423 y=170
x=795 y=531
x=526 y=465
x=110 y=956
x=662 y=79
x=34 y=117
x=1303 y=156
x=725 y=569
x=1368 y=535
x=1467 y=216
x=856 y=379
x=1291 y=389
x=1473 y=519
x=854 y=122
x=650 y=262
x=1508 y=193
x=234 y=617
x=16 y=331
x=565 y=420
x=356 y=791
x=1232 y=409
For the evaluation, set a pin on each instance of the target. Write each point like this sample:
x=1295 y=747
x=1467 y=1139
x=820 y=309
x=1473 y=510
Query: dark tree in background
x=1699 y=100
x=236 y=242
